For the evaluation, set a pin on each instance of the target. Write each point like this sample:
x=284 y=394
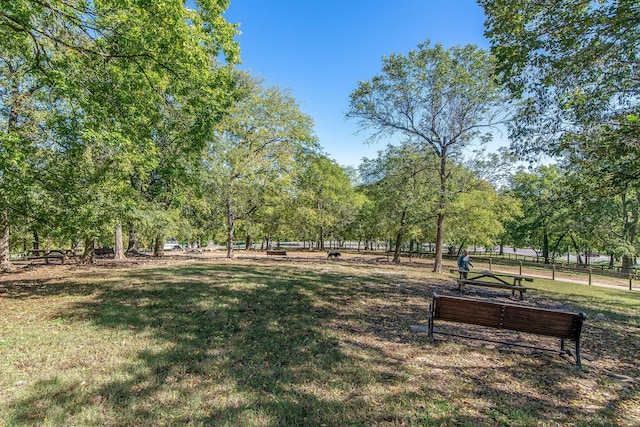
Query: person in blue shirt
x=464 y=262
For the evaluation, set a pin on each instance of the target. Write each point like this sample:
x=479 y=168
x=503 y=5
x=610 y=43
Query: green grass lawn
x=286 y=343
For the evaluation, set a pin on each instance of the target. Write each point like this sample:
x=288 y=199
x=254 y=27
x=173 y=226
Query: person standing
x=464 y=262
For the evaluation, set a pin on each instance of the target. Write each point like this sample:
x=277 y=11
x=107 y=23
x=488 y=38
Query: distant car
x=172 y=247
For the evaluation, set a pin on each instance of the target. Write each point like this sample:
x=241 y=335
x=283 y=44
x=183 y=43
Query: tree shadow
x=244 y=345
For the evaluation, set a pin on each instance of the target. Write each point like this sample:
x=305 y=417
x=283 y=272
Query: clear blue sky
x=320 y=49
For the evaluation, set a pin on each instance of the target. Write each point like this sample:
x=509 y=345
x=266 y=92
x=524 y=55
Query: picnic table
x=493 y=280
x=104 y=252
x=49 y=254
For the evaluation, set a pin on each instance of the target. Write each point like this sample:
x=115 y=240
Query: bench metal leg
x=431 y=309
x=431 y=338
x=578 y=361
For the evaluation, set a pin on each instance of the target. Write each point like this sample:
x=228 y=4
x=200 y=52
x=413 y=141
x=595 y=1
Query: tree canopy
x=439 y=99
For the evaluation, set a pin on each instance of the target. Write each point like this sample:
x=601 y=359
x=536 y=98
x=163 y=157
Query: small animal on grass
x=334 y=255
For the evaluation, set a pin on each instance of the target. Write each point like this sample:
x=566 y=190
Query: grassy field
x=260 y=342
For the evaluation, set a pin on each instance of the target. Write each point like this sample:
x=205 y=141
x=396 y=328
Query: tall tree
x=439 y=99
x=574 y=64
x=254 y=150
x=325 y=200
x=117 y=64
x=546 y=218
x=400 y=182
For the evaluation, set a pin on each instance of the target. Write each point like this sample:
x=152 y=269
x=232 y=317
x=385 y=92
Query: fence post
x=589 y=270
x=630 y=279
x=489 y=264
x=521 y=268
x=553 y=272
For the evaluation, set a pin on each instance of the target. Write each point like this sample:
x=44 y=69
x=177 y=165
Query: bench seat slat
x=557 y=324
x=474 y=312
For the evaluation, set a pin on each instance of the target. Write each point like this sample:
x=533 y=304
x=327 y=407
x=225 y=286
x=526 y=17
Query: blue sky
x=320 y=49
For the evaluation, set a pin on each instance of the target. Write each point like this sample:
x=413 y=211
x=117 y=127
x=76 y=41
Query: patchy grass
x=266 y=343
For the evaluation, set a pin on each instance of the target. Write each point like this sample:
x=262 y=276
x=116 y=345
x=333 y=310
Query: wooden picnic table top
x=37 y=251
x=50 y=252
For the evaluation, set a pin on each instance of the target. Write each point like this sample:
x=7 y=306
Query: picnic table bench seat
x=463 y=282
x=553 y=323
x=276 y=252
x=490 y=279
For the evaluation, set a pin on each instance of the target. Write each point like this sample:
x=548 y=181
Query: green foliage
x=573 y=62
x=131 y=91
x=574 y=66
x=253 y=153
x=402 y=184
x=326 y=201
x=439 y=100
x=546 y=211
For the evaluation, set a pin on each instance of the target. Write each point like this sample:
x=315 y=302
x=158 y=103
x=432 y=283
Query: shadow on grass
x=244 y=345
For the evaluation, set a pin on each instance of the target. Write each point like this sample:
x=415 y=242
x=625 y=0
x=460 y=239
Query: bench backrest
x=540 y=321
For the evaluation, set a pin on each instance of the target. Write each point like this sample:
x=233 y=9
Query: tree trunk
x=400 y=236
x=437 y=267
x=321 y=241
x=36 y=240
x=545 y=247
x=249 y=242
x=133 y=246
x=575 y=246
x=119 y=246
x=627 y=264
x=158 y=248
x=631 y=218
x=231 y=224
x=89 y=255
x=5 y=252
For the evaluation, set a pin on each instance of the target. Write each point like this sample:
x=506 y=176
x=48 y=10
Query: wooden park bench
x=489 y=279
x=538 y=321
x=277 y=252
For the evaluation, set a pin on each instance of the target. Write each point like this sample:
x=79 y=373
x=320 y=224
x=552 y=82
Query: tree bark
x=119 y=246
x=630 y=214
x=627 y=263
x=89 y=255
x=231 y=223
x=400 y=236
x=575 y=246
x=158 y=249
x=5 y=253
x=437 y=265
x=545 y=246
x=133 y=246
x=321 y=241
